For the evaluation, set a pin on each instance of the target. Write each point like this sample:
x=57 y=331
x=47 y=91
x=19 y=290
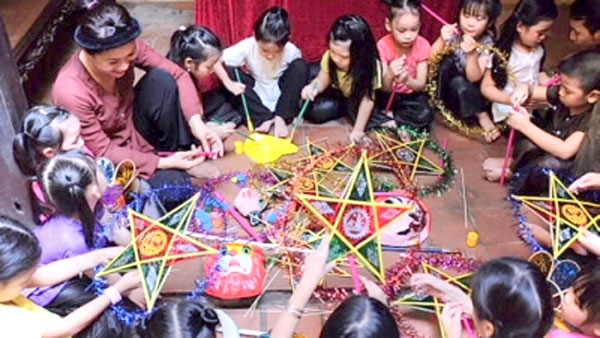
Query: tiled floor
x=487 y=212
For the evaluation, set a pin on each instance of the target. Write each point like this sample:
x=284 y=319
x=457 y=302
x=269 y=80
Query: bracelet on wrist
x=113 y=294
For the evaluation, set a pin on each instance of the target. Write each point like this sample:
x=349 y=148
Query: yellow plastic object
x=265 y=148
x=472 y=239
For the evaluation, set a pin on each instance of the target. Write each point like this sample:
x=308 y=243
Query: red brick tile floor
x=487 y=212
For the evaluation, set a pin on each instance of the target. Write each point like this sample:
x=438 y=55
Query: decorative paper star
x=564 y=214
x=398 y=154
x=156 y=245
x=355 y=221
x=430 y=303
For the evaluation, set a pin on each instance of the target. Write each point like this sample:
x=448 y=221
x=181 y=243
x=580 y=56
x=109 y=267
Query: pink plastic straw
x=390 y=101
x=354 y=272
x=468 y=327
x=239 y=218
x=507 y=156
x=435 y=15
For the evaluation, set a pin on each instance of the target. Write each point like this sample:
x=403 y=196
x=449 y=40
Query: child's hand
x=451 y=319
x=519 y=119
x=315 y=264
x=309 y=92
x=448 y=31
x=236 y=88
x=590 y=241
x=105 y=255
x=468 y=44
x=435 y=286
x=128 y=282
x=585 y=182
x=397 y=66
x=359 y=137
x=520 y=95
x=373 y=290
x=403 y=76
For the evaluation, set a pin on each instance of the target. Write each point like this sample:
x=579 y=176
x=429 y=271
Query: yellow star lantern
x=430 y=303
x=397 y=154
x=156 y=245
x=355 y=221
x=563 y=213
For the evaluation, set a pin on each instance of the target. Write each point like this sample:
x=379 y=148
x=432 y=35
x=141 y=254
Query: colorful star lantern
x=355 y=221
x=430 y=303
x=563 y=213
x=156 y=245
x=396 y=155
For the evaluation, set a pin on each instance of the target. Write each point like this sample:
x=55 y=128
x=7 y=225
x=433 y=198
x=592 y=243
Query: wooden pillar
x=14 y=195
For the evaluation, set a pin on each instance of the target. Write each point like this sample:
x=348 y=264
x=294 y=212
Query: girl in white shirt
x=276 y=73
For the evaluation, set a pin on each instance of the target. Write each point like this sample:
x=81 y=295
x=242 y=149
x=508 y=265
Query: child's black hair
x=491 y=8
x=587 y=11
x=195 y=42
x=400 y=6
x=65 y=178
x=587 y=289
x=584 y=66
x=182 y=319
x=360 y=316
x=273 y=25
x=19 y=249
x=528 y=13
x=363 y=55
x=39 y=131
x=513 y=295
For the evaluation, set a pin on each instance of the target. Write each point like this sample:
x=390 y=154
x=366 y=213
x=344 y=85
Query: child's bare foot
x=280 y=129
x=265 y=127
x=492 y=132
x=492 y=169
x=222 y=130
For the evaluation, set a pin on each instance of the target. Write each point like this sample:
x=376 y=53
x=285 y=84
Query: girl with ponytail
x=197 y=49
x=75 y=187
x=521 y=39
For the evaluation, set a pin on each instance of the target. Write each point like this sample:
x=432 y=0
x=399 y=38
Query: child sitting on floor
x=19 y=257
x=461 y=71
x=276 y=69
x=584 y=19
x=564 y=139
x=521 y=40
x=580 y=307
x=357 y=316
x=349 y=75
x=510 y=298
x=197 y=49
x=404 y=54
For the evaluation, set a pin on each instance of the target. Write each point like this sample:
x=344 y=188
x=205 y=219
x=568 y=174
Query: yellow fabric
x=560 y=324
x=24 y=319
x=344 y=79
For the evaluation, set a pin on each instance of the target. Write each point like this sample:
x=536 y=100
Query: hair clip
x=92 y=5
x=182 y=28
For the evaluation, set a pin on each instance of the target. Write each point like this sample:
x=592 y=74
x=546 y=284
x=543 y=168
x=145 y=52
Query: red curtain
x=233 y=20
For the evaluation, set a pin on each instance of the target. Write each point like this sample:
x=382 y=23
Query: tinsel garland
x=433 y=90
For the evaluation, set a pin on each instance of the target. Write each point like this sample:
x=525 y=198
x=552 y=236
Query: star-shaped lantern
x=430 y=303
x=564 y=213
x=156 y=245
x=355 y=220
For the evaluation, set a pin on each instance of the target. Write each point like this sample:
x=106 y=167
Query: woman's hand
x=234 y=87
x=448 y=31
x=209 y=139
x=585 y=182
x=183 y=160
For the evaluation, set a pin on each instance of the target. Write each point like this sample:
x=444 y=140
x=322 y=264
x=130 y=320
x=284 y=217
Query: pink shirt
x=418 y=53
x=107 y=119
